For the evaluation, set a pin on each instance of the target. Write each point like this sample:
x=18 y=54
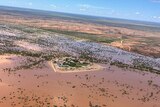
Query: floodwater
x=42 y=87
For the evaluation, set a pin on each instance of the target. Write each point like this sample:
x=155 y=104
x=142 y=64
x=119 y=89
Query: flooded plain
x=42 y=87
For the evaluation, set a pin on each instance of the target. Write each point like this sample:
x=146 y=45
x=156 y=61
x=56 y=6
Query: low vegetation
x=70 y=62
x=87 y=36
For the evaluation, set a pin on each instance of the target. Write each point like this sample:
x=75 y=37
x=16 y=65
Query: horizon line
x=125 y=19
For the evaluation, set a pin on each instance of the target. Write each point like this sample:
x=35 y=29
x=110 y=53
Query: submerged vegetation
x=139 y=66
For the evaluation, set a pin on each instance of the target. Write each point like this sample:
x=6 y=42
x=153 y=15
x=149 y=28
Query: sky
x=145 y=10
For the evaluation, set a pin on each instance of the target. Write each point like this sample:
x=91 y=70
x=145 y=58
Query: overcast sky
x=146 y=10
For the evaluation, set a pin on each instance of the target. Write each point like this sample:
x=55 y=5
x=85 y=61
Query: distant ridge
x=114 y=22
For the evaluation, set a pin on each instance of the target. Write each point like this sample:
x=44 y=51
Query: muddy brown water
x=42 y=87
